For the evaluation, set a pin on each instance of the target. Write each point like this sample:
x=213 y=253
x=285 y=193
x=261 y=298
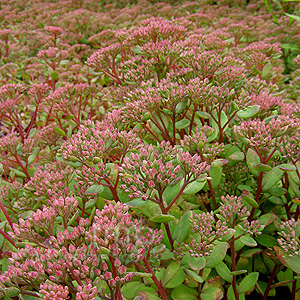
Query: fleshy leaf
x=162 y=218
x=248 y=282
x=248 y=240
x=224 y=272
x=217 y=255
x=248 y=112
x=94 y=190
x=182 y=124
x=170 y=272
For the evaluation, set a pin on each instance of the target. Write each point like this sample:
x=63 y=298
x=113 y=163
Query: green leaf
x=266 y=240
x=193 y=275
x=171 y=191
x=271 y=178
x=224 y=272
x=136 y=202
x=33 y=155
x=170 y=272
x=217 y=255
x=59 y=131
x=248 y=112
x=32 y=133
x=194 y=187
x=287 y=167
x=177 y=280
x=182 y=229
x=141 y=274
x=294 y=17
x=294 y=263
x=276 y=200
x=212 y=293
x=267 y=219
x=147 y=296
x=184 y=293
x=266 y=70
x=216 y=174
x=150 y=209
x=230 y=233
x=277 y=191
x=161 y=218
x=262 y=168
x=203 y=114
x=103 y=250
x=182 y=124
x=250 y=200
x=11 y=292
x=248 y=283
x=237 y=156
x=5 y=264
x=130 y=289
x=248 y=240
x=94 y=190
x=181 y=106
x=252 y=159
x=219 y=162
x=196 y=263
x=238 y=272
x=54 y=75
x=64 y=62
x=290 y=262
x=18 y=172
x=251 y=252
x=292 y=47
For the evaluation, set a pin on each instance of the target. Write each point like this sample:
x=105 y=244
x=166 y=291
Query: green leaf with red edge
x=217 y=255
x=250 y=200
x=248 y=283
x=216 y=174
x=161 y=218
x=266 y=240
x=59 y=131
x=184 y=293
x=94 y=190
x=182 y=124
x=237 y=156
x=271 y=178
x=219 y=162
x=224 y=272
x=252 y=159
x=262 y=168
x=182 y=228
x=170 y=272
x=294 y=17
x=196 y=263
x=177 y=280
x=194 y=187
x=290 y=262
x=54 y=75
x=287 y=167
x=147 y=296
x=248 y=112
x=251 y=252
x=248 y=240
x=193 y=275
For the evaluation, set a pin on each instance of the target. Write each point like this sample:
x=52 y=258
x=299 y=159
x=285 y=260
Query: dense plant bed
x=149 y=150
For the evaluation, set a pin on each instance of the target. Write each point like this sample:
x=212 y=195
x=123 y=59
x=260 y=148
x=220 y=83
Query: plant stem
x=233 y=268
x=161 y=290
x=270 y=282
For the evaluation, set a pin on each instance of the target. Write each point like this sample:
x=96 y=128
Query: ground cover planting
x=149 y=150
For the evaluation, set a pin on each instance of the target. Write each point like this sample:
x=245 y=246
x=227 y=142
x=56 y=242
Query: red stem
x=155 y=280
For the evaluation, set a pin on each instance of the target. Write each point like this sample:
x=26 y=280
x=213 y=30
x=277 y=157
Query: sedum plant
x=149 y=150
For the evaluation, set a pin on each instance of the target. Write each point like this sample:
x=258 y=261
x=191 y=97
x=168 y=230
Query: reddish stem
x=155 y=280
